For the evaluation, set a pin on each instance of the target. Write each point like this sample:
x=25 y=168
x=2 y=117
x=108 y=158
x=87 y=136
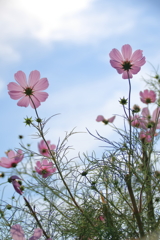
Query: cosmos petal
x=37 y=234
x=12 y=86
x=23 y=102
x=17 y=232
x=42 y=84
x=35 y=103
x=20 y=77
x=41 y=96
x=34 y=77
x=126 y=52
x=116 y=55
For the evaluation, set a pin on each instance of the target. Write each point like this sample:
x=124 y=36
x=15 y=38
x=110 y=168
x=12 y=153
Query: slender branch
x=129 y=114
x=148 y=187
x=132 y=197
x=35 y=216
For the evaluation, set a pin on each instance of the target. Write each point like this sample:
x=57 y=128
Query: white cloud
x=2 y=86
x=9 y=53
x=52 y=20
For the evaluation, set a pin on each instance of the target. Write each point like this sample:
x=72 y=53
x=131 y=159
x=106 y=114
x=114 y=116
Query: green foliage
x=112 y=197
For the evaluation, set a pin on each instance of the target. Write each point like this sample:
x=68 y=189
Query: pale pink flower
x=151 y=121
x=45 y=168
x=101 y=218
x=12 y=160
x=147 y=136
x=100 y=118
x=28 y=92
x=16 y=184
x=43 y=149
x=17 y=233
x=137 y=121
x=127 y=63
x=148 y=96
x=142 y=135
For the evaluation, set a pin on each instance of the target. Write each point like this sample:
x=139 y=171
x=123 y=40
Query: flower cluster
x=43 y=167
x=145 y=121
x=17 y=233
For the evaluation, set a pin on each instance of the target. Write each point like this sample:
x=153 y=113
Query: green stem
x=35 y=216
x=136 y=213
x=130 y=126
x=148 y=188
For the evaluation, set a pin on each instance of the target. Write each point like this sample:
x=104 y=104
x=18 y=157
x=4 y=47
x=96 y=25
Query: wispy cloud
x=2 y=86
x=51 y=21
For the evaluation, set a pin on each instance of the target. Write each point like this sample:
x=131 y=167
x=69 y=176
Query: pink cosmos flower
x=148 y=96
x=45 y=168
x=101 y=218
x=28 y=92
x=17 y=233
x=43 y=149
x=137 y=121
x=12 y=160
x=147 y=123
x=16 y=184
x=127 y=63
x=147 y=136
x=100 y=118
x=151 y=121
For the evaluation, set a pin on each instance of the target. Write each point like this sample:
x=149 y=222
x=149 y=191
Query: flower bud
x=123 y=101
x=8 y=206
x=2 y=175
x=28 y=121
x=84 y=173
x=136 y=108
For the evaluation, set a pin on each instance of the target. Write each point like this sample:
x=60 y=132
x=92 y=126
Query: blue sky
x=69 y=42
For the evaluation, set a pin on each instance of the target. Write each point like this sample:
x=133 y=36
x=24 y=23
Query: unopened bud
x=28 y=121
x=84 y=173
x=136 y=108
x=9 y=206
x=2 y=175
x=20 y=136
x=123 y=101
